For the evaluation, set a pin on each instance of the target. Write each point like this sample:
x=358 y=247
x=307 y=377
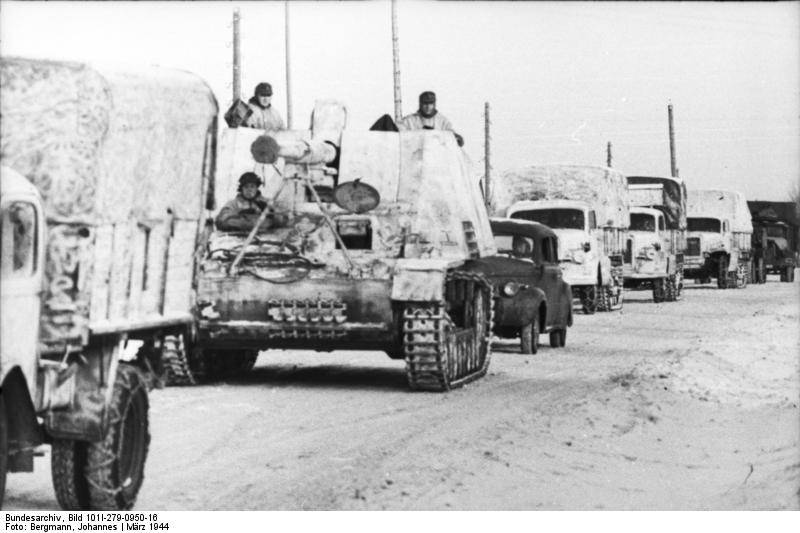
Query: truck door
x=21 y=250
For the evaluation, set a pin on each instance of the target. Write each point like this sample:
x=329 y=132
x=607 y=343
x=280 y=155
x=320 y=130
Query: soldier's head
x=249 y=182
x=427 y=104
x=263 y=93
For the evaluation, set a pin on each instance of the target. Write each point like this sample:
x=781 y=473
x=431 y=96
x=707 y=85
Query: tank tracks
x=174 y=358
x=439 y=355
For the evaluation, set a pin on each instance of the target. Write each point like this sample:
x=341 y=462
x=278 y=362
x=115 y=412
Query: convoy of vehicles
x=119 y=281
x=587 y=207
x=103 y=183
x=532 y=297
x=656 y=246
x=718 y=242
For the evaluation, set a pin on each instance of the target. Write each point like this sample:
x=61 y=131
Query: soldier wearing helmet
x=264 y=115
x=428 y=118
x=242 y=213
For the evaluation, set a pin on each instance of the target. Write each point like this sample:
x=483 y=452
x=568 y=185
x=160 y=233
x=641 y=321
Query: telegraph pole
x=487 y=176
x=398 y=107
x=672 y=162
x=608 y=154
x=288 y=70
x=237 y=60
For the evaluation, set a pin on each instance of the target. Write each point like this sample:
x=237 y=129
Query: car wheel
x=529 y=338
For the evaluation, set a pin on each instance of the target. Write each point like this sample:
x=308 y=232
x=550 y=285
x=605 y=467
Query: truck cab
x=647 y=262
x=707 y=237
x=580 y=253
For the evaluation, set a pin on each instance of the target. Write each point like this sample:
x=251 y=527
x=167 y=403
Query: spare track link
x=440 y=357
x=175 y=361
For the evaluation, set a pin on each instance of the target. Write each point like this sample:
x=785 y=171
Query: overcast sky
x=562 y=79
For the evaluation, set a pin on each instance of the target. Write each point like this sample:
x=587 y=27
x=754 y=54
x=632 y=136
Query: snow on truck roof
x=604 y=189
x=717 y=203
x=104 y=144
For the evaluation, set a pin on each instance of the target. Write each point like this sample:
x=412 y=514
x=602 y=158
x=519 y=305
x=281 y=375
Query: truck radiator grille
x=693 y=246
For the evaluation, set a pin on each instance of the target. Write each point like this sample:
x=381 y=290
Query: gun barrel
x=267 y=149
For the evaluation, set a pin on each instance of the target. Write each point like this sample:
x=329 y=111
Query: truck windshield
x=555 y=218
x=642 y=222
x=703 y=224
x=776 y=231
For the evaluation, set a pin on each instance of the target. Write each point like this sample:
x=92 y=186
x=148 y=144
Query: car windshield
x=642 y=222
x=514 y=245
x=703 y=224
x=555 y=218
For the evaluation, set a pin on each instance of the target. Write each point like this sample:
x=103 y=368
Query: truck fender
x=24 y=432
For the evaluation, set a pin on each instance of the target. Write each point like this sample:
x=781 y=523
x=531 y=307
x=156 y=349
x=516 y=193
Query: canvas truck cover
x=671 y=197
x=715 y=203
x=122 y=161
x=423 y=179
x=604 y=189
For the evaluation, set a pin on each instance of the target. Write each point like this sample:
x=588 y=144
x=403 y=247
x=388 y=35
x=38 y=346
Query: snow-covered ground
x=685 y=405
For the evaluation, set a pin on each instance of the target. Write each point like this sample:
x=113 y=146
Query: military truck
x=775 y=240
x=368 y=248
x=103 y=183
x=587 y=207
x=718 y=241
x=654 y=251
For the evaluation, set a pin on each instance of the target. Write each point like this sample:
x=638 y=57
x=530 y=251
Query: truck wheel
x=762 y=271
x=669 y=289
x=3 y=449
x=589 y=299
x=658 y=290
x=108 y=474
x=722 y=273
x=529 y=337
x=558 y=338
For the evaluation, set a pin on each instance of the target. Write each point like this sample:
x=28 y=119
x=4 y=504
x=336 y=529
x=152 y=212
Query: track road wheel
x=529 y=337
x=108 y=474
x=3 y=449
x=589 y=299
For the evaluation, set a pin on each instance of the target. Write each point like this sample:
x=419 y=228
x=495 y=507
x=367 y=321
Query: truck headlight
x=578 y=256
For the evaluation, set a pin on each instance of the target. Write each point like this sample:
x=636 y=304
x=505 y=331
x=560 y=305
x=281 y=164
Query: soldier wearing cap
x=428 y=118
x=264 y=116
x=242 y=213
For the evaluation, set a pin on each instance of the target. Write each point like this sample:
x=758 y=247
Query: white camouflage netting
x=604 y=189
x=716 y=203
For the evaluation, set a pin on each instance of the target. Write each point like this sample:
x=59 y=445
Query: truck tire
x=722 y=272
x=589 y=298
x=669 y=289
x=558 y=338
x=761 y=271
x=658 y=290
x=529 y=337
x=107 y=475
x=3 y=449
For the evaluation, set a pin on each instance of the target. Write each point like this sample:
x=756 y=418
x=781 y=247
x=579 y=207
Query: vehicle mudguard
x=420 y=280
x=520 y=309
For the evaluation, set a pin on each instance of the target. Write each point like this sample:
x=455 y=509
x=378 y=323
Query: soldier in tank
x=242 y=213
x=264 y=116
x=428 y=117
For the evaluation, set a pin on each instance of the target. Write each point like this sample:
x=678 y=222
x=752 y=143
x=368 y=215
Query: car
x=532 y=297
